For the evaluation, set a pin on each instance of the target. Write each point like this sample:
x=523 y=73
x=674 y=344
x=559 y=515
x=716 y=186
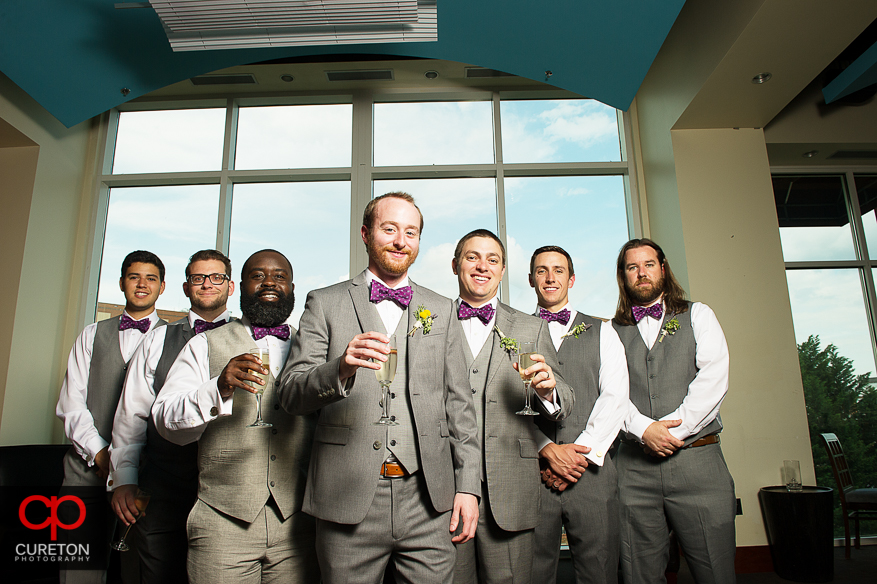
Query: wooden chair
x=854 y=503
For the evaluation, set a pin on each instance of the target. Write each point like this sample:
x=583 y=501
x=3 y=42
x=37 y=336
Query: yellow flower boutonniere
x=424 y=320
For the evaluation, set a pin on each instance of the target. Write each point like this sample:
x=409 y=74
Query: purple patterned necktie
x=655 y=311
x=127 y=322
x=280 y=331
x=401 y=296
x=562 y=317
x=484 y=313
x=203 y=325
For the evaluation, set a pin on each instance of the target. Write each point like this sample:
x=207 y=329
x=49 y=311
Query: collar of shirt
x=650 y=327
x=556 y=329
x=476 y=331
x=277 y=349
x=390 y=312
x=193 y=317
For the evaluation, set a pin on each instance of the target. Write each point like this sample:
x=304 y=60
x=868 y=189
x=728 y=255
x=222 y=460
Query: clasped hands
x=566 y=464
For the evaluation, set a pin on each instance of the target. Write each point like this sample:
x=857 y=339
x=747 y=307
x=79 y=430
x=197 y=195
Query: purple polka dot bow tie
x=401 y=296
x=655 y=311
x=484 y=313
x=203 y=325
x=562 y=317
x=281 y=332
x=127 y=322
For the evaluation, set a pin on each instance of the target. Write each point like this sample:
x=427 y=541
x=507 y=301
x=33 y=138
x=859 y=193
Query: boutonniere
x=670 y=328
x=424 y=320
x=508 y=344
x=576 y=330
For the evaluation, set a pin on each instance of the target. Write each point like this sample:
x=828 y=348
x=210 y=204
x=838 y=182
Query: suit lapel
x=499 y=358
x=366 y=313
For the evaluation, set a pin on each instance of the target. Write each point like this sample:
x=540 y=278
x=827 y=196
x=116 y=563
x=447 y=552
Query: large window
x=245 y=174
x=828 y=228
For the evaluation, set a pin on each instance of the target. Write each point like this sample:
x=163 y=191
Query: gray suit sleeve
x=309 y=381
x=460 y=407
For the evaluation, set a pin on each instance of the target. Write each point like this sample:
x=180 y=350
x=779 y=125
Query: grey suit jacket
x=348 y=448
x=510 y=456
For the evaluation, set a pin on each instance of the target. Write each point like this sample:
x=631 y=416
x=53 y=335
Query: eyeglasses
x=215 y=279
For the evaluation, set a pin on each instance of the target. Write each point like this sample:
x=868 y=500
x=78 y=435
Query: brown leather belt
x=705 y=441
x=392 y=470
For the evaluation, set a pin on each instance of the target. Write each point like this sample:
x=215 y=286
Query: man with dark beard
x=386 y=493
x=247 y=525
x=671 y=472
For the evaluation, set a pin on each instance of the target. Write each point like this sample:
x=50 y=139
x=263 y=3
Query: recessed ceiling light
x=810 y=153
x=287 y=77
x=761 y=78
x=431 y=74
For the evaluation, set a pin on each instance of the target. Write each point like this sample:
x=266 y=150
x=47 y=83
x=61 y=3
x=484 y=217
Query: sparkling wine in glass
x=385 y=377
x=525 y=360
x=260 y=389
x=141 y=500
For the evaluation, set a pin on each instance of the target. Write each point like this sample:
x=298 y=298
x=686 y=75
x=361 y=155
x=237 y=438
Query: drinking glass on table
x=525 y=360
x=260 y=389
x=141 y=500
x=385 y=377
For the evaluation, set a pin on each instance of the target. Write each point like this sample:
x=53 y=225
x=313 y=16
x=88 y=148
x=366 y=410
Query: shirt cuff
x=124 y=476
x=597 y=455
x=550 y=404
x=638 y=425
x=92 y=447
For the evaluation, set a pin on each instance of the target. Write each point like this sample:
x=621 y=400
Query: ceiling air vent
x=236 y=79
x=855 y=154
x=373 y=75
x=479 y=73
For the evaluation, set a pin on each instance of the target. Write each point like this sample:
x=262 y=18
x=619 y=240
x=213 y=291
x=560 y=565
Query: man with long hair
x=671 y=472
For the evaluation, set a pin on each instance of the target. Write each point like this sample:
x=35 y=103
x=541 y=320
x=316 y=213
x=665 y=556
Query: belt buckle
x=390 y=470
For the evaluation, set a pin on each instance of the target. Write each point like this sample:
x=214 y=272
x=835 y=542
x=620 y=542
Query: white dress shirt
x=129 y=425
x=611 y=406
x=190 y=398
x=706 y=391
x=72 y=406
x=389 y=310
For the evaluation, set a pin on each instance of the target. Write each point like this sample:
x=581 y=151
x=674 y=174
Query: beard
x=645 y=296
x=264 y=313
x=390 y=265
x=208 y=305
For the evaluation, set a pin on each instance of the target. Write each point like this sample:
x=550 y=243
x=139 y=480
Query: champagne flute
x=260 y=389
x=385 y=377
x=525 y=360
x=141 y=500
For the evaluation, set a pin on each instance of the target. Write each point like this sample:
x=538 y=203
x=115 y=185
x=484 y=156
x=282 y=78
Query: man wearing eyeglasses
x=167 y=471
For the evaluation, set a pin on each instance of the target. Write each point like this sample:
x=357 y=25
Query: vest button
x=392 y=418
x=276 y=406
x=273 y=457
x=473 y=390
x=651 y=376
x=274 y=430
x=560 y=362
x=272 y=483
x=377 y=445
x=392 y=442
x=475 y=371
x=392 y=396
x=650 y=358
x=654 y=396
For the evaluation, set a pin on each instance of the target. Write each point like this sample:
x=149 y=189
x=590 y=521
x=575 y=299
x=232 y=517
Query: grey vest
x=239 y=468
x=401 y=440
x=165 y=465
x=477 y=368
x=659 y=377
x=579 y=361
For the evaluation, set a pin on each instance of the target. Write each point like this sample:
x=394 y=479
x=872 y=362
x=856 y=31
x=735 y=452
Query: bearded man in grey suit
x=502 y=551
x=579 y=471
x=385 y=492
x=671 y=472
x=247 y=524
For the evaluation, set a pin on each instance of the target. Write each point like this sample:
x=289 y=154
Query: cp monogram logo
x=53 y=521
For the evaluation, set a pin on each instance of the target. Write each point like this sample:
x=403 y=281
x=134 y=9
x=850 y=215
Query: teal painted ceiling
x=74 y=57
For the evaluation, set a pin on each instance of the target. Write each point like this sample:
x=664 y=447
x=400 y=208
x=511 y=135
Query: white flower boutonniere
x=576 y=330
x=424 y=321
x=508 y=344
x=670 y=328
